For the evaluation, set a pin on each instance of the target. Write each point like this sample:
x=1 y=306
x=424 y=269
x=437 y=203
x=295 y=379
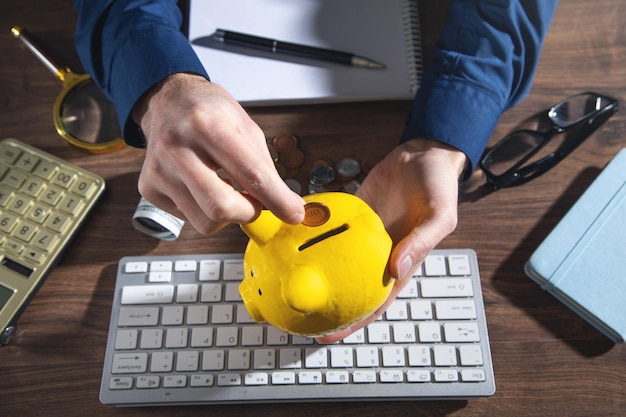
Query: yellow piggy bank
x=322 y=275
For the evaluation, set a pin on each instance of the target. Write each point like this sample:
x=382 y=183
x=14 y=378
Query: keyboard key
x=209 y=270
x=310 y=377
x=446 y=375
x=455 y=309
x=251 y=336
x=429 y=332
x=213 y=360
x=421 y=310
x=228 y=380
x=185 y=265
x=391 y=376
x=446 y=287
x=147 y=294
x=316 y=357
x=397 y=311
x=473 y=375
x=172 y=315
x=187 y=361
x=233 y=270
x=445 y=355
x=418 y=375
x=471 y=355
x=435 y=266
x=461 y=332
x=283 y=378
x=364 y=377
x=130 y=363
x=175 y=381
x=126 y=339
x=176 y=338
x=151 y=339
x=201 y=337
x=148 y=382
x=138 y=316
x=202 y=380
x=459 y=264
x=256 y=378
x=337 y=377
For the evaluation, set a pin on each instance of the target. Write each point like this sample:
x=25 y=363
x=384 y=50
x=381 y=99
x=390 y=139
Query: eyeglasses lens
x=510 y=151
x=576 y=108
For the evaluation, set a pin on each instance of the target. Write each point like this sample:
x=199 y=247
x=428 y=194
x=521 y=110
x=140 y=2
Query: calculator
x=43 y=202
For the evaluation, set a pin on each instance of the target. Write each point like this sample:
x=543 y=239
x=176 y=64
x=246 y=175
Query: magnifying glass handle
x=22 y=35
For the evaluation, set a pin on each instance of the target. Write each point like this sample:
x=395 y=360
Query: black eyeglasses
x=524 y=154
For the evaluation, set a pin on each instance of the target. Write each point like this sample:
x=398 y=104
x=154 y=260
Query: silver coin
x=348 y=168
x=321 y=175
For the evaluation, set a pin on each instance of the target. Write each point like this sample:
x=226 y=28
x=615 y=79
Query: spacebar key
x=147 y=294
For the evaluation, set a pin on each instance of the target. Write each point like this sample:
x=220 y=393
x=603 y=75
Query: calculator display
x=5 y=295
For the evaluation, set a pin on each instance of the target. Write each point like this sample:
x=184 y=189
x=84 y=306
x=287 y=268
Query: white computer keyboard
x=180 y=334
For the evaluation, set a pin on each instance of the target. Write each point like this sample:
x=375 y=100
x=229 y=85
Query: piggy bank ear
x=263 y=229
x=305 y=290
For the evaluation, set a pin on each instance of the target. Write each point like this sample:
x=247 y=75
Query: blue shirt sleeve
x=483 y=65
x=127 y=46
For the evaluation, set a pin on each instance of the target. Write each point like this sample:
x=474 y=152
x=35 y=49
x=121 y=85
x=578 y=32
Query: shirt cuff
x=148 y=56
x=455 y=112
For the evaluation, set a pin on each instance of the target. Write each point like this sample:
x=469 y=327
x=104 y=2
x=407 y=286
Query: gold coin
x=315 y=214
x=284 y=142
x=292 y=158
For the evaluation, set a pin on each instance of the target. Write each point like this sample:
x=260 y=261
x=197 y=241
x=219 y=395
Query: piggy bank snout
x=306 y=290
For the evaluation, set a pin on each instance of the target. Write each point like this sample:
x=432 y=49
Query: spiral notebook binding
x=413 y=42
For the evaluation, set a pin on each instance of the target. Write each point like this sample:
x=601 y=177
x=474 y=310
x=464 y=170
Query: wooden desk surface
x=547 y=360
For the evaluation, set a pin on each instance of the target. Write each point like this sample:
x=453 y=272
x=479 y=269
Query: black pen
x=288 y=48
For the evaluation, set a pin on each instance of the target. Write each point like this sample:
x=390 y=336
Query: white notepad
x=386 y=31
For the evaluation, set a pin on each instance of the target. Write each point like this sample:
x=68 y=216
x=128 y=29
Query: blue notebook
x=582 y=261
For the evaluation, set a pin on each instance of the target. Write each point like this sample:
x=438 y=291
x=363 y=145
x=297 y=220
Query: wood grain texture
x=548 y=362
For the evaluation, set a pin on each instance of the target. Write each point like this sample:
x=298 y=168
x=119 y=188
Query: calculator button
x=13 y=245
x=38 y=213
x=84 y=187
x=52 y=195
x=71 y=204
x=27 y=162
x=25 y=231
x=45 y=170
x=10 y=154
x=14 y=179
x=20 y=205
x=34 y=255
x=7 y=222
x=33 y=186
x=45 y=240
x=5 y=196
x=58 y=222
x=64 y=178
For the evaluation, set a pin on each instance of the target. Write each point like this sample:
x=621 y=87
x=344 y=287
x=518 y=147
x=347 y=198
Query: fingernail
x=405 y=267
x=297 y=218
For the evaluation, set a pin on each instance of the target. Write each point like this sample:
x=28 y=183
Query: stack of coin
x=288 y=159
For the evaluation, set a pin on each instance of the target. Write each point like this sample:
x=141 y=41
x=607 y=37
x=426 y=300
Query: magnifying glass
x=82 y=114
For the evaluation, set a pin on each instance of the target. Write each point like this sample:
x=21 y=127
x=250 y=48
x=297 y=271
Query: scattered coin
x=348 y=168
x=284 y=142
x=321 y=175
x=292 y=158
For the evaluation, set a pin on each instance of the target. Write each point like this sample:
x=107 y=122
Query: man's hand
x=194 y=129
x=415 y=192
